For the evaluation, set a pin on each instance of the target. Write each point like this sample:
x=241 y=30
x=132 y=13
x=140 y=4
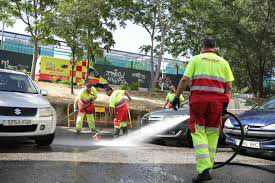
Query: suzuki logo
x=17 y=111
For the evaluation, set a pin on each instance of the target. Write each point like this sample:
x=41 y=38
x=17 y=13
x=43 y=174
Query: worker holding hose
x=170 y=97
x=119 y=109
x=84 y=105
x=210 y=93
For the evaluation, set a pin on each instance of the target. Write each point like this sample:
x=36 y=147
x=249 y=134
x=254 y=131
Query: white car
x=24 y=111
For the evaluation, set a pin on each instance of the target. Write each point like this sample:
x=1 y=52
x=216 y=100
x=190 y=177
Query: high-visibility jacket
x=117 y=98
x=170 y=97
x=85 y=98
x=209 y=73
x=118 y=102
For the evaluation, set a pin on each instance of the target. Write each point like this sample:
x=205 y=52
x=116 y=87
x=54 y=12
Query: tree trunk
x=163 y=33
x=88 y=64
x=72 y=75
x=34 y=58
x=261 y=79
x=152 y=62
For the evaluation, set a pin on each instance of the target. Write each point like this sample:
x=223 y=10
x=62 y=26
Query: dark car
x=259 y=128
x=180 y=132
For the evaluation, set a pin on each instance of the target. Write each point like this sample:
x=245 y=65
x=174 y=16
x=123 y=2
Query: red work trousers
x=206 y=110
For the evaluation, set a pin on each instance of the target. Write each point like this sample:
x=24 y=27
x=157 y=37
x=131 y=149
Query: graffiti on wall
x=166 y=81
x=115 y=77
x=140 y=77
x=5 y=64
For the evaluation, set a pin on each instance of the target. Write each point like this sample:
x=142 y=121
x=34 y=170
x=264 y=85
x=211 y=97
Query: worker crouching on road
x=170 y=97
x=84 y=102
x=210 y=92
x=119 y=109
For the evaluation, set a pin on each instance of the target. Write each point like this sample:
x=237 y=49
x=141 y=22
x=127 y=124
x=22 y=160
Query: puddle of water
x=144 y=133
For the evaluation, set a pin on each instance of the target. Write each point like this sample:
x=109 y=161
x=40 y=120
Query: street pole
x=2 y=35
x=162 y=83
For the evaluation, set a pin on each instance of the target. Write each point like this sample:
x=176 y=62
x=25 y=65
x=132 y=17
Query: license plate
x=249 y=144
x=16 y=122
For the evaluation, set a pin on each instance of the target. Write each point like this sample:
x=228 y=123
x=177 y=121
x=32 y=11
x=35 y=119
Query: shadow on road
x=267 y=155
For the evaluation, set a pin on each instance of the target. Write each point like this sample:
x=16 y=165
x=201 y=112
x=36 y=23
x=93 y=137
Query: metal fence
x=20 y=43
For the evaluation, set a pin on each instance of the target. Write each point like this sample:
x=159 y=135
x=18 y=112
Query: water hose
x=221 y=164
x=238 y=149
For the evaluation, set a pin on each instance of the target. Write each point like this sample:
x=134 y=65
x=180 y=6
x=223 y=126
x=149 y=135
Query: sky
x=128 y=39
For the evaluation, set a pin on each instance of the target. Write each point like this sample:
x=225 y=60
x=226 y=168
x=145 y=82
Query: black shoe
x=125 y=130
x=204 y=176
x=117 y=132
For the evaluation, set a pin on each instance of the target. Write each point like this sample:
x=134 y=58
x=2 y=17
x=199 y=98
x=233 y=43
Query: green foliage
x=134 y=86
x=64 y=82
x=123 y=87
x=35 y=15
x=244 y=31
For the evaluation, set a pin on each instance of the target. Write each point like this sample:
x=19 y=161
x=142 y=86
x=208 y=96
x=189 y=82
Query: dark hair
x=108 y=89
x=172 y=85
x=208 y=42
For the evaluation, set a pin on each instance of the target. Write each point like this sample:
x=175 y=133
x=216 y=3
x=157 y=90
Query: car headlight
x=228 y=123
x=269 y=127
x=45 y=112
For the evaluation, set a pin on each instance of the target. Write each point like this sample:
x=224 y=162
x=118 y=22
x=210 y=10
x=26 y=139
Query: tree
x=156 y=17
x=5 y=17
x=96 y=25
x=244 y=31
x=36 y=15
x=144 y=13
x=66 y=25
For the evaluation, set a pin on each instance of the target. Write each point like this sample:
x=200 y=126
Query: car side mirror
x=44 y=92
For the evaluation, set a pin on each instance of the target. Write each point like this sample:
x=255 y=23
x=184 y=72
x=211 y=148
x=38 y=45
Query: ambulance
x=56 y=69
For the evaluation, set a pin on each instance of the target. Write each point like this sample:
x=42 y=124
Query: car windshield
x=10 y=82
x=270 y=104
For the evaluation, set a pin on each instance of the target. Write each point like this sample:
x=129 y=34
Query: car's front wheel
x=45 y=140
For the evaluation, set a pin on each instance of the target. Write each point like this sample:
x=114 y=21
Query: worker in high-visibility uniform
x=84 y=104
x=119 y=109
x=170 y=97
x=210 y=92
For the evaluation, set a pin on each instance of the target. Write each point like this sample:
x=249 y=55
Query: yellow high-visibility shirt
x=209 y=72
x=84 y=95
x=116 y=97
x=170 y=97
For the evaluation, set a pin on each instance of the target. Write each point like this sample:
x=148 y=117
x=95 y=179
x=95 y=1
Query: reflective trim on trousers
x=202 y=156
x=212 y=160
x=204 y=76
x=200 y=146
x=200 y=127
x=207 y=88
x=212 y=150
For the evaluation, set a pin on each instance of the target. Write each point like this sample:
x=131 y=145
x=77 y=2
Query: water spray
x=144 y=133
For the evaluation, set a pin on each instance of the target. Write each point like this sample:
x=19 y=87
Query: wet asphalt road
x=75 y=159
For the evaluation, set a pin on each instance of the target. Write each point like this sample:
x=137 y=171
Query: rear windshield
x=10 y=82
x=268 y=105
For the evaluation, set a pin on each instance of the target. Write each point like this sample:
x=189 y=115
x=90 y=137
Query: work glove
x=176 y=103
x=224 y=111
